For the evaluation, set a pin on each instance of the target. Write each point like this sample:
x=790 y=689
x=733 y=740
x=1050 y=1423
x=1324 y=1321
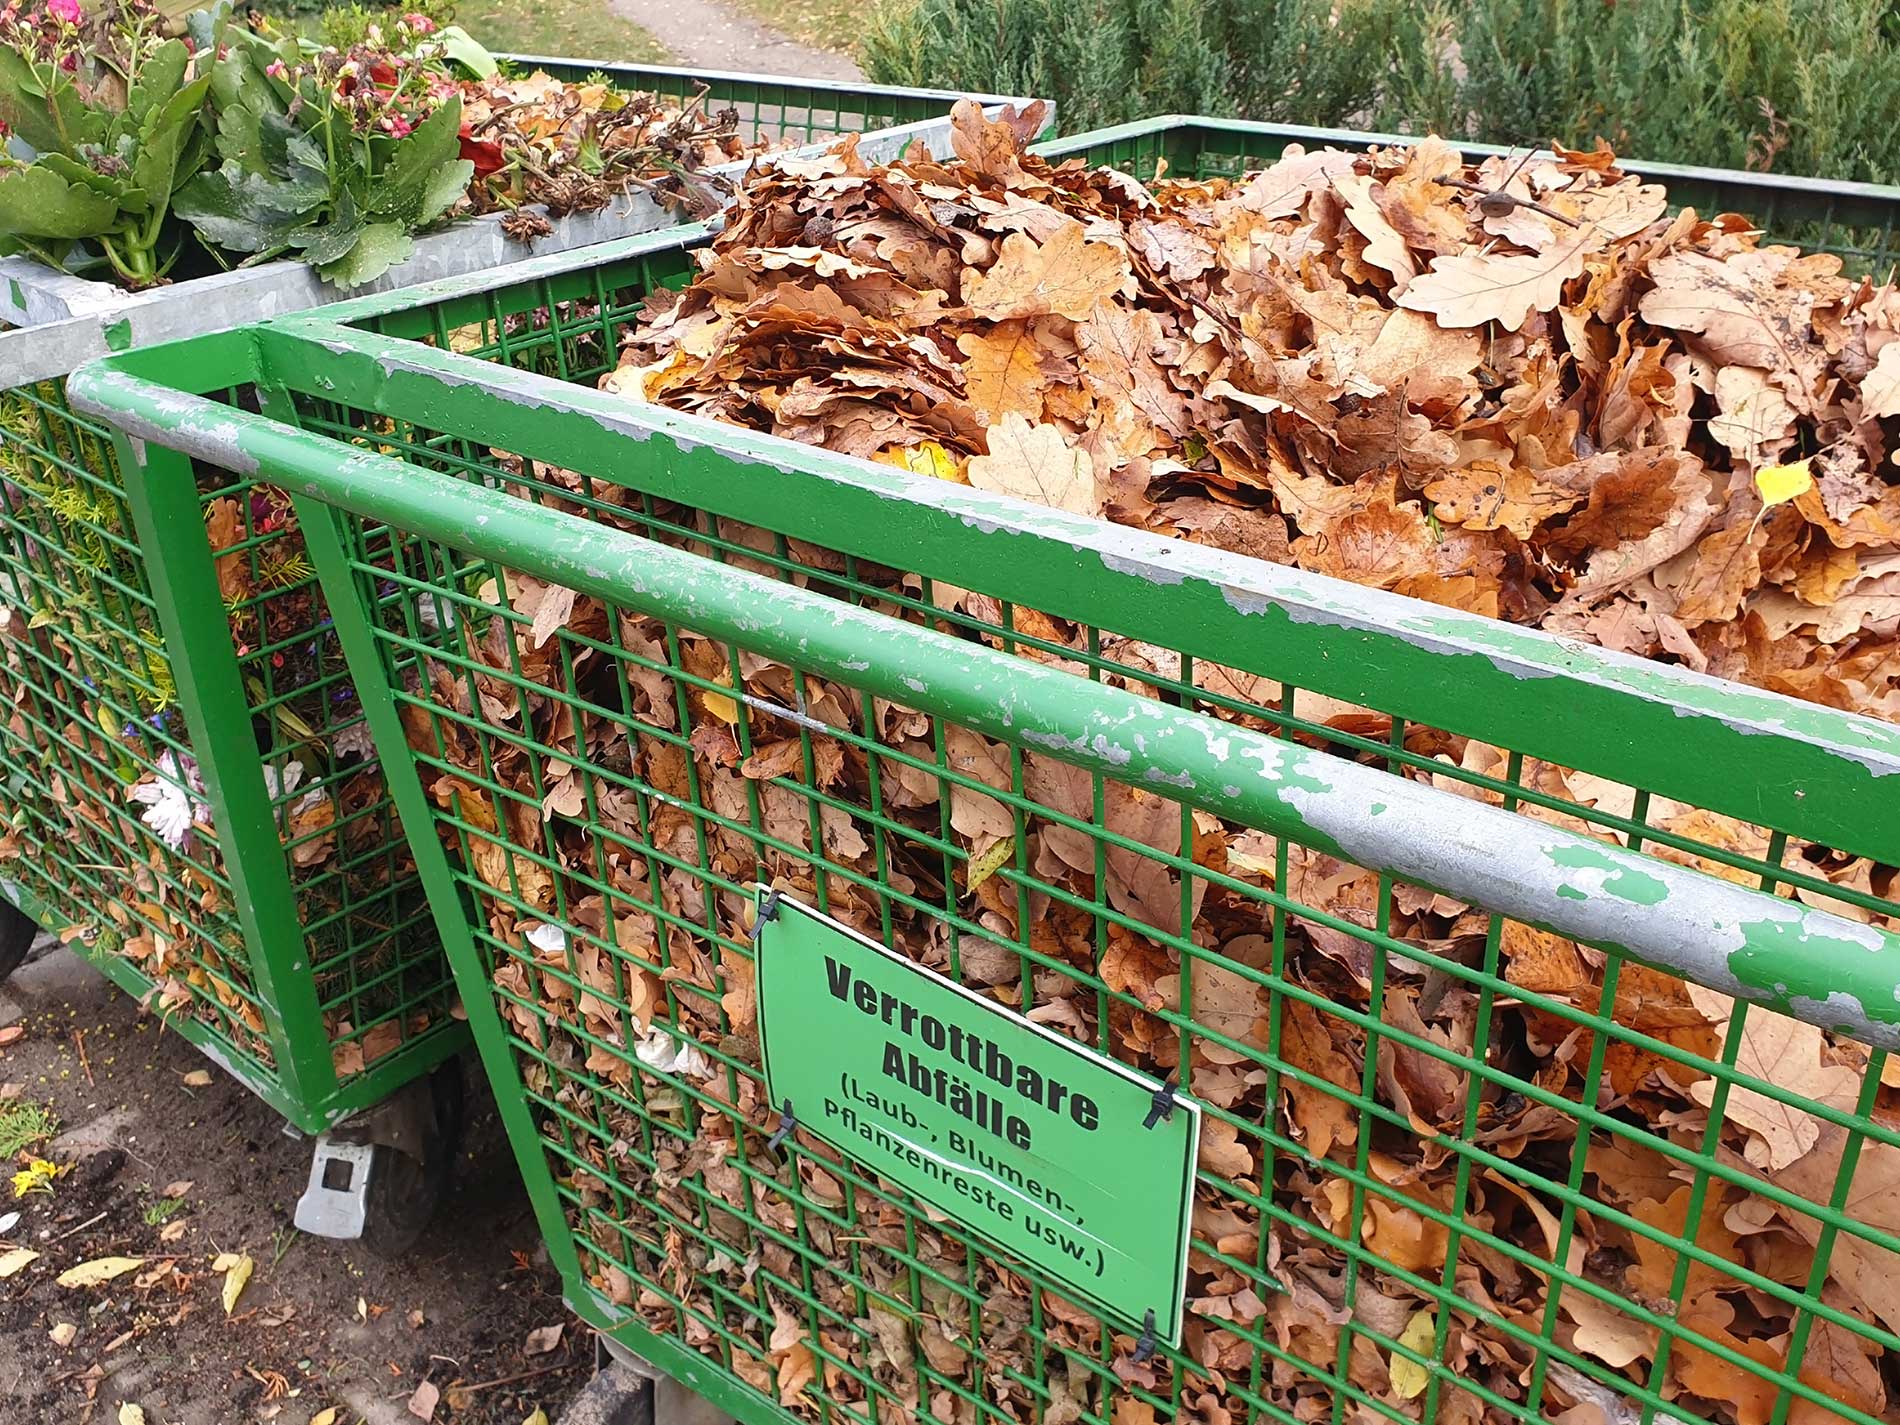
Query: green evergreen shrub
x=1790 y=86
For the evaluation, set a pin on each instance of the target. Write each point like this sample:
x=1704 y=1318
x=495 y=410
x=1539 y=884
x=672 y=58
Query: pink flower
x=419 y=23
x=66 y=10
x=397 y=125
x=275 y=69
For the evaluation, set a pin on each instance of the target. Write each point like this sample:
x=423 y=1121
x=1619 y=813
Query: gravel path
x=707 y=34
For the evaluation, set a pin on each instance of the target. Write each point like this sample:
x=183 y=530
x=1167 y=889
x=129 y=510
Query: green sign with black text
x=1068 y=1161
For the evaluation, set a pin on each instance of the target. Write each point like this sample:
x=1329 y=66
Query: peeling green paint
x=1787 y=962
x=1642 y=724
x=1674 y=917
x=1620 y=879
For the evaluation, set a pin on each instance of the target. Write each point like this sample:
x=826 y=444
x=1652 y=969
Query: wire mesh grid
x=92 y=712
x=111 y=828
x=379 y=976
x=774 y=111
x=1453 y=1166
x=376 y=983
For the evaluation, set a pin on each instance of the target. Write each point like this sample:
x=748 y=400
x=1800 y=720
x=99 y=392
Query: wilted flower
x=173 y=800
x=276 y=69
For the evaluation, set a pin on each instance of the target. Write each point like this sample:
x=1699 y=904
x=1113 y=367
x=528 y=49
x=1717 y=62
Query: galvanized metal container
x=280 y=927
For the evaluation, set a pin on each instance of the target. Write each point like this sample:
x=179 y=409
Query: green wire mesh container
x=1542 y=1065
x=1858 y=222
x=187 y=790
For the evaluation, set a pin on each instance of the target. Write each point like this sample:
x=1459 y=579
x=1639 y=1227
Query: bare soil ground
x=321 y=1325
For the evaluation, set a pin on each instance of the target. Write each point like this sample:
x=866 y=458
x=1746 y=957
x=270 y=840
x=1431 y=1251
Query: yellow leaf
x=930 y=458
x=723 y=708
x=325 y=1416
x=198 y=1079
x=983 y=866
x=1408 y=1377
x=99 y=1271
x=234 y=1280
x=130 y=1414
x=1779 y=484
x=540 y=1417
x=19 y=1257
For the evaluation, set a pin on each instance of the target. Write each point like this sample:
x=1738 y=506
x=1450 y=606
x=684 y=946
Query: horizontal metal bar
x=1822 y=968
x=64 y=321
x=635 y=76
x=1817 y=772
x=1857 y=203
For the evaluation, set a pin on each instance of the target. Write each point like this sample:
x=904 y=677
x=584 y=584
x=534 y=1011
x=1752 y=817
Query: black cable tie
x=767 y=909
x=1161 y=1106
x=786 y=1123
x=1145 y=1346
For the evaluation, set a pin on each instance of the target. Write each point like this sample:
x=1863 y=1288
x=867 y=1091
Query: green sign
x=1061 y=1157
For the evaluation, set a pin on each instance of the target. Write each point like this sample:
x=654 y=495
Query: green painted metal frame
x=1623 y=900
x=1860 y=222
x=1810 y=964
x=1810 y=771
x=1822 y=772
x=300 y=1078
x=302 y=1081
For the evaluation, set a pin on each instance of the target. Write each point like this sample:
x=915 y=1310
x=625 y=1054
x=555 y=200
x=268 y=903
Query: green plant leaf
x=158 y=79
x=163 y=138
x=29 y=112
x=246 y=212
x=333 y=241
x=446 y=186
x=122 y=191
x=399 y=191
x=239 y=84
x=35 y=202
x=465 y=50
x=206 y=26
x=378 y=247
x=291 y=154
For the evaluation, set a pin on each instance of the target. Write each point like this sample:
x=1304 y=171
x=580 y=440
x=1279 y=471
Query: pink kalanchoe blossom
x=419 y=24
x=275 y=69
x=66 y=10
x=397 y=125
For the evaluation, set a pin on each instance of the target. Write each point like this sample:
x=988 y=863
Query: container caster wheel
x=380 y=1178
x=18 y=931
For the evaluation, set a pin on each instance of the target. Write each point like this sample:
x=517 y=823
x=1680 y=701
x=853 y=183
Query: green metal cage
x=1858 y=222
x=1418 y=906
x=187 y=790
x=1435 y=913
